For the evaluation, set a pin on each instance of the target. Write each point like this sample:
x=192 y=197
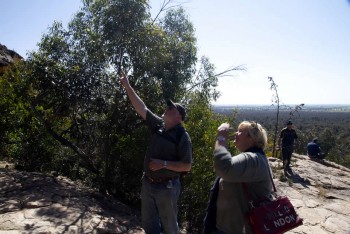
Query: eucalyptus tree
x=71 y=93
x=23 y=139
x=275 y=101
x=77 y=97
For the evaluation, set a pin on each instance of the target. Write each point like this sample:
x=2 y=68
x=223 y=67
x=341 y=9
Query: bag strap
x=248 y=194
x=273 y=184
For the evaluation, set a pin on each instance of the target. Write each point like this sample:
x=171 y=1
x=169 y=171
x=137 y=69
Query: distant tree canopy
x=63 y=109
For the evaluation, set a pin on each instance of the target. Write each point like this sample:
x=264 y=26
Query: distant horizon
x=286 y=106
x=336 y=104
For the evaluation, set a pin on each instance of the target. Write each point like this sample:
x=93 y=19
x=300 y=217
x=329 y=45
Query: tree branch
x=237 y=68
x=165 y=7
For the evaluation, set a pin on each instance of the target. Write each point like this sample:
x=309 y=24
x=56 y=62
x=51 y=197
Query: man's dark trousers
x=287 y=155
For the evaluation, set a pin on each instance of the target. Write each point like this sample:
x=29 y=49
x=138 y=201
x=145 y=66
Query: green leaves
x=64 y=110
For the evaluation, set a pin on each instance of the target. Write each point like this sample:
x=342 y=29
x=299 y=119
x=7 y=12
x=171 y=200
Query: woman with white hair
x=250 y=168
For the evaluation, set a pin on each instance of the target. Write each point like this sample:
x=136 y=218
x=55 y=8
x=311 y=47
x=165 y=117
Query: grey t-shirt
x=161 y=147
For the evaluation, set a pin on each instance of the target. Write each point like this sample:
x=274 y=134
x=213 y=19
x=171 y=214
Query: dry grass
x=321 y=190
x=282 y=177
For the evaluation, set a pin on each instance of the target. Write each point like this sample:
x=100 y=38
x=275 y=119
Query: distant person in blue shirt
x=314 y=150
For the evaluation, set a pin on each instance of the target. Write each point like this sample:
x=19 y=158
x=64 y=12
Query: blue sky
x=303 y=45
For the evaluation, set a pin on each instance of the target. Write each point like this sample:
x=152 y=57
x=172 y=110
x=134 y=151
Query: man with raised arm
x=168 y=156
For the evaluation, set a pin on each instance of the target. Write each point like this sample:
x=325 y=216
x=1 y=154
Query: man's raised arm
x=135 y=100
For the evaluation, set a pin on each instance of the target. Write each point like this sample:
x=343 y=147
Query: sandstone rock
x=7 y=57
x=38 y=203
x=319 y=190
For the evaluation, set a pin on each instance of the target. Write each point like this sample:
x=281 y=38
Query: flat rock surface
x=319 y=190
x=38 y=203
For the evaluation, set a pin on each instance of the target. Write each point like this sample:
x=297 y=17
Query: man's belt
x=160 y=180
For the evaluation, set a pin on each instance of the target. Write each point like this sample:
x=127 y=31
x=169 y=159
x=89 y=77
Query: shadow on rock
x=296 y=178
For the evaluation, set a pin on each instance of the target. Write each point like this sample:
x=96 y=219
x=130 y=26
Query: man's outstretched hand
x=123 y=79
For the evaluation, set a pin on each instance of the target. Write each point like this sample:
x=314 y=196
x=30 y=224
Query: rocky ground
x=7 y=57
x=38 y=203
x=320 y=191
